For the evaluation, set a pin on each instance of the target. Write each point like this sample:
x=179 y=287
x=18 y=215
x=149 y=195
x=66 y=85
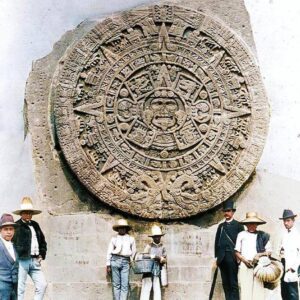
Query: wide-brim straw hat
x=156 y=231
x=121 y=223
x=27 y=205
x=7 y=220
x=251 y=217
x=269 y=271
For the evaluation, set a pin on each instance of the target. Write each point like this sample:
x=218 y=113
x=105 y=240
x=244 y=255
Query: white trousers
x=251 y=287
x=147 y=283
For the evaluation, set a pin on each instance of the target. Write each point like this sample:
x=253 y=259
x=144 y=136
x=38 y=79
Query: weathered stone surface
x=78 y=247
x=160 y=107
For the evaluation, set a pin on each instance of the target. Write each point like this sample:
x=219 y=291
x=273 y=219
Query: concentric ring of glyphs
x=160 y=112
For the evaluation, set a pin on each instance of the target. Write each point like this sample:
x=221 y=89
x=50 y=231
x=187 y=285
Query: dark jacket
x=22 y=239
x=261 y=241
x=8 y=267
x=222 y=242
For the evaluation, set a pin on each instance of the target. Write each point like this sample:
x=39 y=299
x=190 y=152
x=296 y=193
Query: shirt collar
x=156 y=245
x=229 y=221
x=5 y=241
x=255 y=232
x=126 y=234
x=28 y=223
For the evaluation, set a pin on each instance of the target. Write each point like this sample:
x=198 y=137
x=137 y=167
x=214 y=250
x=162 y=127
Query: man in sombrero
x=290 y=256
x=120 y=252
x=31 y=247
x=8 y=259
x=251 y=244
x=157 y=251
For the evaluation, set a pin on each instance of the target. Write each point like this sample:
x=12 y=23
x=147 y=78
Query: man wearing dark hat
x=290 y=254
x=31 y=247
x=120 y=251
x=224 y=251
x=8 y=259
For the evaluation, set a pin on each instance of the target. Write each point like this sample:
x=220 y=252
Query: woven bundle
x=268 y=271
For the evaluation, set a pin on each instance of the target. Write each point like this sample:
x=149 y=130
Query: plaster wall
x=274 y=187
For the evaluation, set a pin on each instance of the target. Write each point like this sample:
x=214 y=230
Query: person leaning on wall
x=8 y=259
x=31 y=247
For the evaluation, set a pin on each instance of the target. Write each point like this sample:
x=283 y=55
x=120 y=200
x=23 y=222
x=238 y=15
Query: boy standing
x=8 y=259
x=156 y=251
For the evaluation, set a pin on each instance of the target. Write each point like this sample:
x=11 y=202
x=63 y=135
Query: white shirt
x=290 y=244
x=10 y=248
x=34 y=242
x=246 y=244
x=123 y=245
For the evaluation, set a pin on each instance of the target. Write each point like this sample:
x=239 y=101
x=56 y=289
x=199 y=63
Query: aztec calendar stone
x=160 y=112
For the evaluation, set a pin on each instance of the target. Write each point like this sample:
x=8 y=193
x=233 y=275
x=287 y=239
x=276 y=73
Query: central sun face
x=164 y=111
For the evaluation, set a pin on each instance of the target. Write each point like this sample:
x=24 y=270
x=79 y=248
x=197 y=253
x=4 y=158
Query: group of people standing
x=22 y=248
x=239 y=251
x=122 y=250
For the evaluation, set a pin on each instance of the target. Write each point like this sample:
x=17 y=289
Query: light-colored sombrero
x=251 y=217
x=267 y=270
x=27 y=205
x=156 y=231
x=121 y=223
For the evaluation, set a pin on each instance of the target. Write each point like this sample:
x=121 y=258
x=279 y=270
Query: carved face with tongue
x=163 y=110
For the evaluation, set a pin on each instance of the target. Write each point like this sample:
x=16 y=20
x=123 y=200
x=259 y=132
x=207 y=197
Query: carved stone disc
x=160 y=112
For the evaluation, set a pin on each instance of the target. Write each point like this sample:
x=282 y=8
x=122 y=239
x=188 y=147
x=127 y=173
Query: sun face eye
x=171 y=105
x=157 y=104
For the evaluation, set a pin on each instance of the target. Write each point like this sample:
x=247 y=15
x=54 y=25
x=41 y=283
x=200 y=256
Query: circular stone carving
x=160 y=112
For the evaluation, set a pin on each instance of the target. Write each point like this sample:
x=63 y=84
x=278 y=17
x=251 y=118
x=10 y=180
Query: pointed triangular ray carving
x=110 y=56
x=163 y=37
x=217 y=58
x=163 y=78
x=90 y=109
x=164 y=40
x=233 y=112
x=216 y=164
x=109 y=164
